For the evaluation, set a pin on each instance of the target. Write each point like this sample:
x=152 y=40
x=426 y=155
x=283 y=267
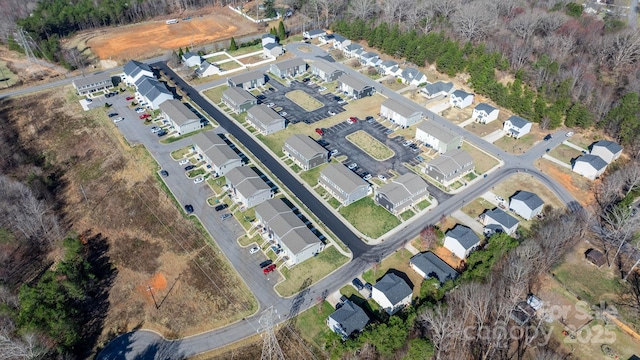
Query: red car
x=320 y=132
x=144 y=116
x=269 y=268
x=353 y=120
x=130 y=98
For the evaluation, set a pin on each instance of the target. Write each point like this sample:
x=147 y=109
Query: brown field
x=154 y=37
x=523 y=181
x=150 y=243
x=578 y=186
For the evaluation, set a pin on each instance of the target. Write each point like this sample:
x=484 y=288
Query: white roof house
x=461 y=99
x=589 y=166
x=152 y=91
x=437 y=88
x=461 y=241
x=485 y=113
x=516 y=126
x=607 y=150
x=392 y=293
x=399 y=113
x=207 y=69
x=181 y=117
x=526 y=204
x=412 y=76
x=191 y=59
x=269 y=39
x=507 y=223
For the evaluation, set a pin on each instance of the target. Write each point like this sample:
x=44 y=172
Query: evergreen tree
x=624 y=116
x=180 y=53
x=282 y=32
x=273 y=32
x=232 y=45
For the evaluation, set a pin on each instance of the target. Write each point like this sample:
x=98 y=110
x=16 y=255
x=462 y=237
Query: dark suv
x=221 y=207
x=188 y=208
x=548 y=137
x=358 y=284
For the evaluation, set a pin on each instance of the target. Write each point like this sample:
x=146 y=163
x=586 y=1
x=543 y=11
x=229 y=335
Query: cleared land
x=315 y=269
x=304 y=100
x=477 y=207
x=565 y=153
x=154 y=37
x=370 y=145
x=520 y=146
x=484 y=129
x=7 y=77
x=370 y=219
x=522 y=181
x=578 y=186
x=482 y=161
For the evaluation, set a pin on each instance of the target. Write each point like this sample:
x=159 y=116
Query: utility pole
x=270 y=348
x=149 y=288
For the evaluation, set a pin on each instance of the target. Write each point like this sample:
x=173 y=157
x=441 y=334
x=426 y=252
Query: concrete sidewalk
x=572 y=145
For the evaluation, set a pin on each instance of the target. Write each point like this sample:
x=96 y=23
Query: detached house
x=429 y=265
x=436 y=89
x=238 y=99
x=460 y=99
x=351 y=49
x=305 y=151
x=340 y=42
x=399 y=114
x=207 y=69
x=269 y=39
x=438 y=137
x=325 y=39
x=134 y=70
x=389 y=67
x=392 y=293
x=485 y=113
x=348 y=319
x=247 y=187
x=461 y=241
x=191 y=59
x=93 y=83
x=248 y=80
x=343 y=184
x=370 y=59
x=589 y=166
x=450 y=166
x=181 y=117
x=496 y=220
x=411 y=76
x=289 y=68
x=216 y=153
x=354 y=87
x=325 y=70
x=272 y=50
x=284 y=227
x=607 y=150
x=402 y=193
x=526 y=204
x=152 y=91
x=516 y=126
x=312 y=34
x=264 y=119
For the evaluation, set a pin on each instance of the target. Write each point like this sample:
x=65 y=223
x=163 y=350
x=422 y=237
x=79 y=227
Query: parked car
x=370 y=118
x=419 y=158
x=254 y=250
x=322 y=88
x=184 y=162
x=333 y=152
x=162 y=133
x=357 y=284
x=305 y=80
x=225 y=216
x=112 y=114
x=269 y=268
x=130 y=98
x=388 y=132
x=188 y=208
x=282 y=113
x=337 y=98
x=382 y=177
x=118 y=119
x=319 y=131
x=198 y=180
x=353 y=166
x=190 y=167
x=352 y=120
x=89 y=100
x=144 y=116
x=331 y=112
x=221 y=207
x=271 y=105
x=342 y=101
x=266 y=263
x=499 y=198
x=366 y=176
x=139 y=110
x=155 y=129
x=569 y=134
x=548 y=137
x=407 y=143
x=322 y=142
x=164 y=173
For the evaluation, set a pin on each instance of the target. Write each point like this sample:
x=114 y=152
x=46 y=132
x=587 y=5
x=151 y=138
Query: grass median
x=370 y=219
x=370 y=145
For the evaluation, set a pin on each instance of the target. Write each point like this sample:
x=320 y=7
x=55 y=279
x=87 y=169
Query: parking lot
x=295 y=113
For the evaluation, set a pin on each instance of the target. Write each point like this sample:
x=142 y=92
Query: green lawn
x=312 y=323
x=245 y=241
x=481 y=160
x=516 y=146
x=229 y=65
x=370 y=219
x=334 y=202
x=315 y=268
x=215 y=94
x=370 y=145
x=304 y=100
x=423 y=204
x=216 y=184
x=172 y=139
x=407 y=215
x=245 y=218
x=311 y=176
x=180 y=153
x=217 y=58
x=590 y=283
x=195 y=172
x=565 y=153
x=245 y=50
x=7 y=78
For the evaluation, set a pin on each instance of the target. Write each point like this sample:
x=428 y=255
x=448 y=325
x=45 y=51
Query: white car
x=184 y=162
x=118 y=119
x=283 y=113
x=367 y=177
x=499 y=198
x=321 y=89
x=569 y=134
x=254 y=250
x=139 y=110
x=331 y=112
x=352 y=166
x=382 y=177
x=333 y=152
x=155 y=129
x=198 y=180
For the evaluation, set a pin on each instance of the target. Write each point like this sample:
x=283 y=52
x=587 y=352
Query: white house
x=607 y=150
x=461 y=99
x=348 y=319
x=180 y=117
x=505 y=222
x=370 y=59
x=389 y=67
x=589 y=166
x=340 y=42
x=312 y=34
x=191 y=59
x=516 y=126
x=325 y=70
x=351 y=49
x=212 y=149
x=272 y=50
x=326 y=38
x=265 y=119
x=485 y=113
x=437 y=88
x=392 y=293
x=461 y=241
x=152 y=91
x=399 y=114
x=93 y=83
x=269 y=39
x=207 y=69
x=247 y=187
x=411 y=76
x=438 y=137
x=134 y=70
x=526 y=204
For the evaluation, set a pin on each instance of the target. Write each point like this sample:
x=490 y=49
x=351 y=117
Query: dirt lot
x=154 y=37
x=578 y=186
x=522 y=181
x=19 y=71
x=106 y=187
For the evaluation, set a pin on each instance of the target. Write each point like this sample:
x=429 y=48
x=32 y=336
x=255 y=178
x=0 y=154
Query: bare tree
x=443 y=329
x=473 y=21
x=362 y=9
x=525 y=25
x=444 y=9
x=618 y=49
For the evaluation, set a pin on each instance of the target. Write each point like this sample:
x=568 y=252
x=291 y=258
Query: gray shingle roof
x=613 y=147
x=291 y=63
x=190 y=54
x=134 y=67
x=461 y=94
x=268 y=36
x=465 y=236
x=434 y=267
x=517 y=121
x=91 y=79
x=246 y=181
x=438 y=86
x=246 y=77
x=486 y=107
x=595 y=161
x=502 y=218
x=530 y=199
x=451 y=161
x=344 y=178
x=339 y=38
x=352 y=82
x=178 y=112
x=388 y=63
x=369 y=55
x=393 y=287
x=215 y=148
x=264 y=114
x=315 y=32
x=237 y=95
x=351 y=317
x=438 y=131
x=352 y=47
x=286 y=225
x=405 y=186
x=410 y=74
x=398 y=108
x=271 y=46
x=305 y=146
x=325 y=66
